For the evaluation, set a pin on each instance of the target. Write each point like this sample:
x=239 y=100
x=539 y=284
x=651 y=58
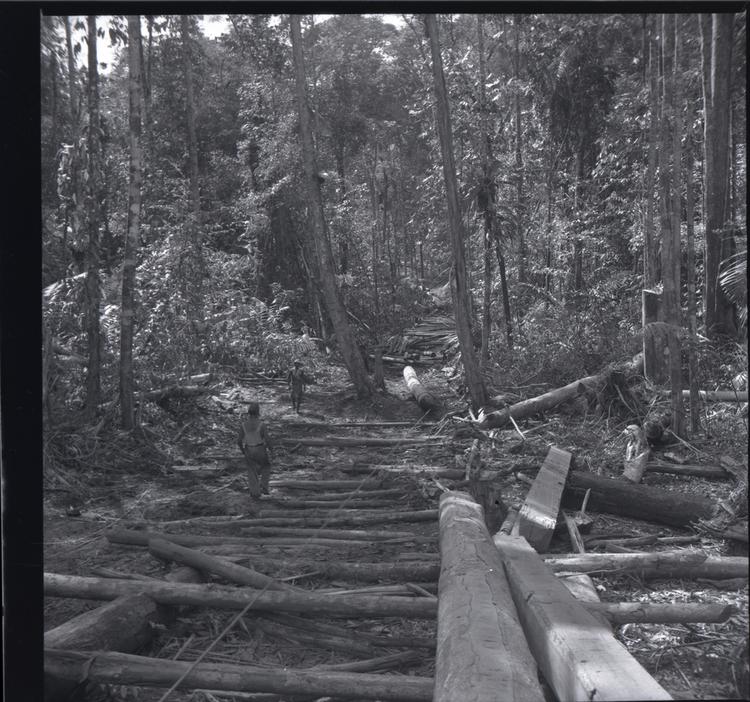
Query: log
x=540 y=403
x=579 y=657
x=349 y=502
x=127 y=669
x=360 y=572
x=708 y=472
x=341 y=534
x=719 y=395
x=480 y=645
x=326 y=484
x=538 y=515
x=575 y=536
x=619 y=613
x=424 y=398
x=340 y=496
x=167 y=550
x=224 y=597
x=373 y=441
x=637 y=454
x=638 y=501
x=177 y=391
x=647 y=540
x=425 y=515
x=432 y=471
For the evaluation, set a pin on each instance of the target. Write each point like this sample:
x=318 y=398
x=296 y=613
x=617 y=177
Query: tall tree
x=336 y=310
x=460 y=287
x=194 y=224
x=650 y=242
x=94 y=198
x=716 y=50
x=134 y=221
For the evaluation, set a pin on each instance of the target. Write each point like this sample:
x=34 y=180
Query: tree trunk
x=134 y=223
x=233 y=598
x=336 y=310
x=520 y=205
x=461 y=299
x=504 y=290
x=692 y=305
x=717 y=71
x=619 y=613
x=94 y=197
x=638 y=501
x=586 y=662
x=127 y=669
x=481 y=647
x=650 y=243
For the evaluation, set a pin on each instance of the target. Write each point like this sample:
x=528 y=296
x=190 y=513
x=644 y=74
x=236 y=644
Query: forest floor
x=204 y=477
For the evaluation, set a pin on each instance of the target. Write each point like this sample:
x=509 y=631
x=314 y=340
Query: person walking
x=253 y=442
x=296 y=379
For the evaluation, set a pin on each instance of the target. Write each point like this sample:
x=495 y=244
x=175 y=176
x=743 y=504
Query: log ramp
x=503 y=615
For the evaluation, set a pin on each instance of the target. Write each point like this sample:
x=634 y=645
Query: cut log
x=127 y=669
x=326 y=484
x=708 y=472
x=425 y=515
x=637 y=454
x=358 y=572
x=426 y=401
x=647 y=540
x=480 y=645
x=432 y=471
x=167 y=550
x=619 y=613
x=345 y=503
x=638 y=501
x=584 y=662
x=538 y=515
x=341 y=534
x=340 y=496
x=583 y=589
x=224 y=597
x=177 y=391
x=373 y=441
x=719 y=395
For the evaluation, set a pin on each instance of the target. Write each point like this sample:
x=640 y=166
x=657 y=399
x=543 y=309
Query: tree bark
x=717 y=71
x=586 y=662
x=424 y=398
x=481 y=647
x=132 y=238
x=336 y=310
x=637 y=501
x=650 y=243
x=232 y=598
x=619 y=613
x=127 y=669
x=460 y=286
x=504 y=290
x=94 y=197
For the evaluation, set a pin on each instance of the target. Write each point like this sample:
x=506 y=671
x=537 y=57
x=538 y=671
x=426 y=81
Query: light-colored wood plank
x=482 y=655
x=538 y=515
x=578 y=655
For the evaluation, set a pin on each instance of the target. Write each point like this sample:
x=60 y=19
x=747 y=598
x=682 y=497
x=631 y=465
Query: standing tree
x=460 y=287
x=134 y=222
x=94 y=197
x=716 y=50
x=336 y=310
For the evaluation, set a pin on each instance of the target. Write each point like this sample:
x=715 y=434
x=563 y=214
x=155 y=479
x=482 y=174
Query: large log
x=359 y=572
x=343 y=503
x=167 y=550
x=424 y=398
x=127 y=669
x=345 y=534
x=671 y=613
x=538 y=515
x=343 y=519
x=708 y=472
x=224 y=597
x=637 y=501
x=363 y=485
x=432 y=471
x=579 y=657
x=480 y=645
x=339 y=496
x=374 y=441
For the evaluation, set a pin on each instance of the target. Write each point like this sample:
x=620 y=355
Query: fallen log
x=372 y=441
x=537 y=517
x=638 y=501
x=127 y=669
x=619 y=613
x=339 y=496
x=341 y=534
x=585 y=662
x=348 y=502
x=177 y=391
x=167 y=550
x=224 y=597
x=480 y=645
x=326 y=484
x=359 y=572
x=719 y=395
x=432 y=471
x=708 y=472
x=426 y=401
x=425 y=515
x=648 y=540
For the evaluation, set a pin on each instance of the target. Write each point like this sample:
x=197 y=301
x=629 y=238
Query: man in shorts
x=253 y=442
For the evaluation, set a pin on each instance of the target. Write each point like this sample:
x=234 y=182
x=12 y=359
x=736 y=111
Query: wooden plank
x=578 y=655
x=480 y=643
x=538 y=515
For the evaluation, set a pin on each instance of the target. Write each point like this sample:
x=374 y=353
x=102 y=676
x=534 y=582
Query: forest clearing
x=394 y=357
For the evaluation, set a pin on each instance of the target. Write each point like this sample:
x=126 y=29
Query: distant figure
x=296 y=379
x=253 y=442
